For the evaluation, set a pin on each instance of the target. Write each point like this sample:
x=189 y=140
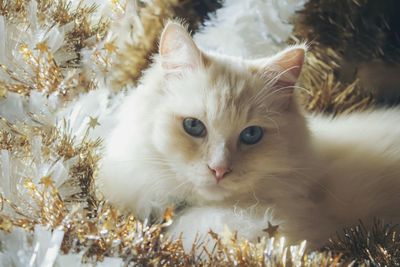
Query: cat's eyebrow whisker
x=302 y=88
x=294 y=87
x=276 y=75
x=260 y=97
x=275 y=124
x=268 y=111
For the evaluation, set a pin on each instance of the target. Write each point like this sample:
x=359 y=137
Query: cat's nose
x=220 y=172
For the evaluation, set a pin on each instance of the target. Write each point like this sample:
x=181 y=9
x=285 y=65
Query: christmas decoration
x=355 y=53
x=62 y=67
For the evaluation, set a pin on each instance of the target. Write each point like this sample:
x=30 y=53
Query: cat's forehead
x=232 y=89
x=222 y=94
x=232 y=72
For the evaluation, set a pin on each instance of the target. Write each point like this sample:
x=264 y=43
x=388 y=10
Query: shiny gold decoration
x=135 y=56
x=3 y=90
x=93 y=225
x=167 y=218
x=42 y=47
x=342 y=49
x=93 y=123
x=111 y=47
x=46 y=181
x=5 y=224
x=321 y=91
x=13 y=9
x=49 y=75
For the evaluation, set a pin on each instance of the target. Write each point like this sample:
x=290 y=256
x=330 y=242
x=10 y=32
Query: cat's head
x=226 y=122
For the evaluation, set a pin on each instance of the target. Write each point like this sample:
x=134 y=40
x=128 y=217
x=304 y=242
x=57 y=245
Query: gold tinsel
x=102 y=231
x=134 y=57
x=348 y=37
x=50 y=77
x=91 y=225
x=105 y=232
x=323 y=92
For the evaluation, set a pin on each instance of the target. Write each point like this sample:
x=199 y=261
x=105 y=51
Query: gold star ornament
x=42 y=47
x=272 y=230
x=46 y=181
x=110 y=47
x=94 y=122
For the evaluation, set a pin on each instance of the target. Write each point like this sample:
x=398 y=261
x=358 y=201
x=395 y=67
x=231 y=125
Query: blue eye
x=194 y=127
x=251 y=135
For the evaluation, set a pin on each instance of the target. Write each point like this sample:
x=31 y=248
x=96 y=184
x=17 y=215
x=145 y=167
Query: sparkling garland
x=323 y=92
x=348 y=37
x=50 y=211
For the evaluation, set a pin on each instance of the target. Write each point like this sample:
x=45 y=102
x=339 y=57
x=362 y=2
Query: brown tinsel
x=351 y=40
x=360 y=30
x=91 y=225
x=380 y=245
x=321 y=91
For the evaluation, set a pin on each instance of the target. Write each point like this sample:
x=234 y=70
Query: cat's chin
x=213 y=192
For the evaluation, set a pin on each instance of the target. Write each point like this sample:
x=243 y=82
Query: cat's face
x=226 y=123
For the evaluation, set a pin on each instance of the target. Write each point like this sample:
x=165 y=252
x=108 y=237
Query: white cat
x=223 y=140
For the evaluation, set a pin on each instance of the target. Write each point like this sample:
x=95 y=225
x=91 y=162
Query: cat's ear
x=282 y=71
x=177 y=50
x=286 y=66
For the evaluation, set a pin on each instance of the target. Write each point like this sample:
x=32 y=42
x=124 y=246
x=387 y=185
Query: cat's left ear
x=177 y=50
x=285 y=67
x=281 y=73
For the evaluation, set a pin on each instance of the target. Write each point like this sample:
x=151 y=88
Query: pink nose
x=219 y=172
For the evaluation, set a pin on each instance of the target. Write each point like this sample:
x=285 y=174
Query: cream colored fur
x=311 y=175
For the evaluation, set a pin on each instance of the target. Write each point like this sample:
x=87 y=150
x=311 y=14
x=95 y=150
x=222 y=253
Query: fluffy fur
x=309 y=175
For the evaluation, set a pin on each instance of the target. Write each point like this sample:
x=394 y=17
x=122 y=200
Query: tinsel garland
x=134 y=53
x=54 y=57
x=360 y=30
x=350 y=42
x=323 y=91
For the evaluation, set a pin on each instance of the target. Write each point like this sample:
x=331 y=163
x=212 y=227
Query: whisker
x=147 y=160
x=179 y=186
x=275 y=124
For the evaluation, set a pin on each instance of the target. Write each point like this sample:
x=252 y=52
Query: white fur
x=249 y=29
x=316 y=174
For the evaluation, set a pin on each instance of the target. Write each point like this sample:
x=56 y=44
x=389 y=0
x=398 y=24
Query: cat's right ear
x=177 y=50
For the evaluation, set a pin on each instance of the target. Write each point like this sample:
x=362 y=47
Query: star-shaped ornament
x=94 y=122
x=271 y=230
x=42 y=47
x=46 y=181
x=110 y=47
